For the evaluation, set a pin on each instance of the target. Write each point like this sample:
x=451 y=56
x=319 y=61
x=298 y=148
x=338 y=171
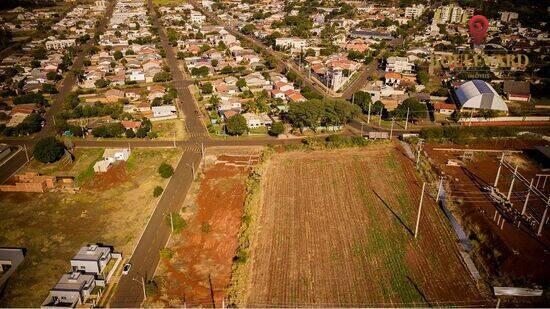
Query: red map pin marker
x=478 y=25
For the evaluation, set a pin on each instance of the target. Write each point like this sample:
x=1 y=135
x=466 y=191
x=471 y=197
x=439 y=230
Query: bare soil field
x=112 y=208
x=199 y=271
x=510 y=255
x=336 y=229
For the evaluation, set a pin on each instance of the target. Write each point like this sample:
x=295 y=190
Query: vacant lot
x=203 y=251
x=111 y=208
x=336 y=230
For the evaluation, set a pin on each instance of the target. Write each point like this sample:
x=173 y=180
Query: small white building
x=91 y=259
x=110 y=156
x=399 y=65
x=164 y=112
x=295 y=44
x=59 y=44
x=71 y=290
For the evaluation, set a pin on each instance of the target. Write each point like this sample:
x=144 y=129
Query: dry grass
x=52 y=226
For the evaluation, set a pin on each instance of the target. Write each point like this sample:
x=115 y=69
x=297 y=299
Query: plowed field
x=336 y=230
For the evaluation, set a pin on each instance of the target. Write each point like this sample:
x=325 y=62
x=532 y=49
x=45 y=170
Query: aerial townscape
x=274 y=153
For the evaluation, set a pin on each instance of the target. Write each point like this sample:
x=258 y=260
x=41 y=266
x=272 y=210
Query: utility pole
x=512 y=183
x=380 y=117
x=26 y=153
x=368 y=115
x=439 y=189
x=419 y=152
x=527 y=197
x=362 y=123
x=407 y=119
x=174 y=139
x=171 y=223
x=419 y=210
x=499 y=169
x=539 y=232
x=143 y=285
x=391 y=129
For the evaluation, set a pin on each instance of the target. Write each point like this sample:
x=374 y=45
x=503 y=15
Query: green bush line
x=240 y=273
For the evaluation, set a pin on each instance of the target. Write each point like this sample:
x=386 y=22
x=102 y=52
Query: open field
x=336 y=229
x=166 y=129
x=510 y=255
x=111 y=208
x=204 y=249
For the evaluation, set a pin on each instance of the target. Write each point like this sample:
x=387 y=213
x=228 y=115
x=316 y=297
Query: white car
x=126 y=268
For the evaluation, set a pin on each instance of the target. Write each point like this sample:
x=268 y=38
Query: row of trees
x=315 y=113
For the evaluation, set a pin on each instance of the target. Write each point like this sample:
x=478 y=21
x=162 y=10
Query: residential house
x=110 y=156
x=10 y=259
x=399 y=65
x=164 y=112
x=71 y=290
x=93 y=259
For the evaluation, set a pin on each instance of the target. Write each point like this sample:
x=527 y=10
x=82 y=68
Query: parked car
x=126 y=268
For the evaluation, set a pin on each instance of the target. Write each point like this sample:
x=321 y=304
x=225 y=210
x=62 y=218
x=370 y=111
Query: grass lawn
x=166 y=129
x=82 y=167
x=52 y=226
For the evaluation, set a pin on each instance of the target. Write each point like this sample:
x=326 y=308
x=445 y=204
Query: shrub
x=177 y=221
x=205 y=227
x=157 y=191
x=48 y=150
x=130 y=133
x=166 y=170
x=166 y=253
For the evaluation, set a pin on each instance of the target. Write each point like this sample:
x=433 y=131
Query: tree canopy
x=48 y=150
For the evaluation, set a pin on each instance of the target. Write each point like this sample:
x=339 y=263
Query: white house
x=197 y=17
x=71 y=290
x=91 y=259
x=256 y=121
x=111 y=155
x=59 y=44
x=164 y=112
x=399 y=65
x=294 y=44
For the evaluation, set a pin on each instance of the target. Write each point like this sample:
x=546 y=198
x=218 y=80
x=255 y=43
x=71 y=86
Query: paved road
x=129 y=292
x=70 y=80
x=12 y=165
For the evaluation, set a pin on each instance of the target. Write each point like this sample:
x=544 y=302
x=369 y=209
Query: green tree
x=363 y=100
x=118 y=55
x=236 y=125
x=277 y=128
x=157 y=191
x=162 y=77
x=130 y=133
x=49 y=88
x=48 y=150
x=413 y=106
x=201 y=72
x=248 y=29
x=101 y=83
x=165 y=170
x=207 y=88
x=423 y=77
x=241 y=83
x=51 y=75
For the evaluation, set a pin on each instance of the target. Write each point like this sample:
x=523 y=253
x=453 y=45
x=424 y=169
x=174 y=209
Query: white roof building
x=477 y=94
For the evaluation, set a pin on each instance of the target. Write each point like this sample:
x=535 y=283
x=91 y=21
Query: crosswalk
x=198 y=134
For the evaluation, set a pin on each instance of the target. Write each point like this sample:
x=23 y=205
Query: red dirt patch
x=520 y=254
x=203 y=259
x=109 y=179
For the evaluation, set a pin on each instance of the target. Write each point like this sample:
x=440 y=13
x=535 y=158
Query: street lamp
x=142 y=282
